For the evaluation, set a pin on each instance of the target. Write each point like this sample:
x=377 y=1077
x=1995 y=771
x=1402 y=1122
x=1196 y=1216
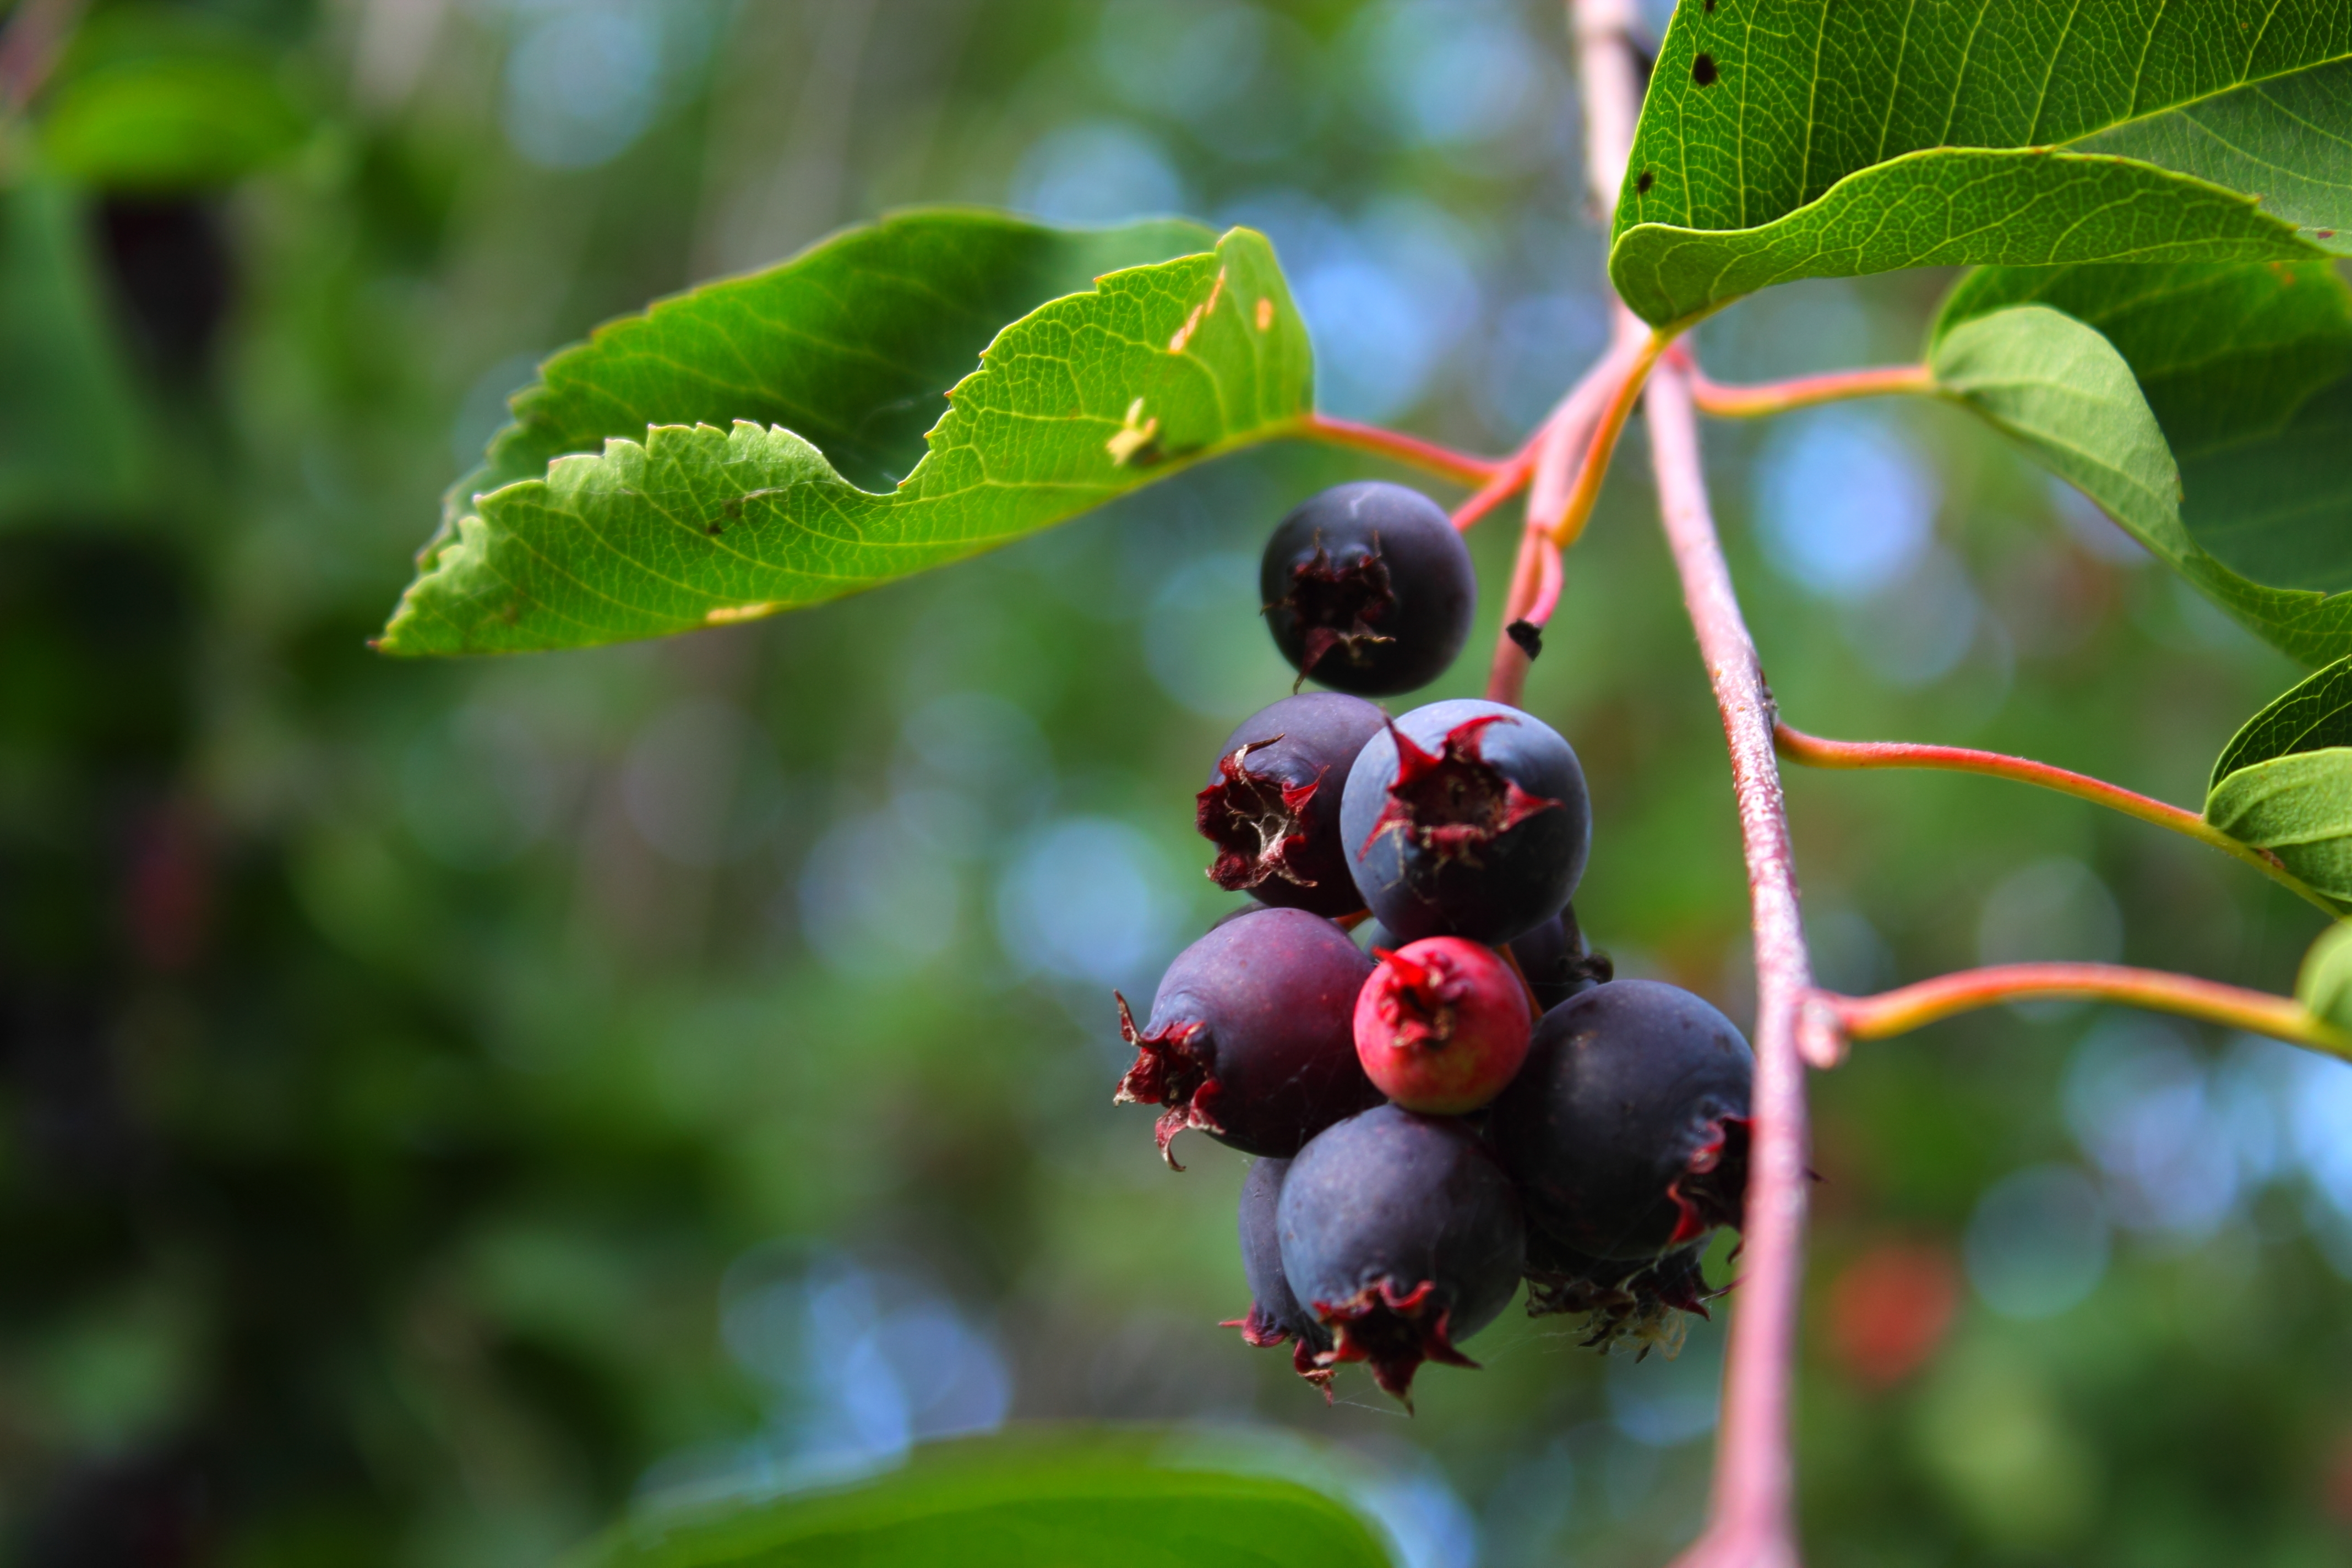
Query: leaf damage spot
x=1266 y=315
x=1135 y=434
x=1703 y=70
x=727 y=615
x=1200 y=313
x=1643 y=182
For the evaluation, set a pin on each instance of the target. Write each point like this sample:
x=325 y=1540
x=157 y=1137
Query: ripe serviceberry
x=1637 y=1301
x=1627 y=1128
x=1557 y=961
x=1275 y=1314
x=1402 y=1236
x=1368 y=588
x=1251 y=1038
x=1441 y=1025
x=1271 y=806
x=1466 y=818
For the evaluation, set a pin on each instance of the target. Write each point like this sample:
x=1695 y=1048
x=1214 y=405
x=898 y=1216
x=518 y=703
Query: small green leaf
x=2313 y=716
x=2297 y=806
x=2289 y=140
x=828 y=367
x=169 y=124
x=1033 y=1499
x=72 y=430
x=2324 y=986
x=2248 y=369
x=2025 y=207
x=1759 y=112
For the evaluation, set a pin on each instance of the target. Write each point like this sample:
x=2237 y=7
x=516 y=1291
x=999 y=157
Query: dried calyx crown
x=1340 y=604
x=1452 y=802
x=1256 y=822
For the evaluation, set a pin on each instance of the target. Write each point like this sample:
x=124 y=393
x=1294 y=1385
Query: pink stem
x=1462 y=467
x=1551 y=457
x=1753 y=1522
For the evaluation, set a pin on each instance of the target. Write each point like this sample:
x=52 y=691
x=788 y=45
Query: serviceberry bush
x=2148 y=207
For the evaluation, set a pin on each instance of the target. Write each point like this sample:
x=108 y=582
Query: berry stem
x=1552 y=473
x=1713 y=397
x=1916 y=1006
x=1815 y=751
x=1462 y=467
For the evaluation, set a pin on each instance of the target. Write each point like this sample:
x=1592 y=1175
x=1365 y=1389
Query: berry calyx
x=1403 y=1237
x=1368 y=588
x=1275 y=1314
x=1251 y=1036
x=1441 y=1025
x=1466 y=818
x=1627 y=1126
x=1638 y=1301
x=1272 y=805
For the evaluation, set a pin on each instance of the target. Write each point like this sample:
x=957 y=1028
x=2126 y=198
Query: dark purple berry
x=1466 y=818
x=1252 y=1036
x=1271 y=806
x=1627 y=1128
x=1369 y=588
x=1558 y=961
x=1402 y=1236
x=1275 y=1314
x=1637 y=1301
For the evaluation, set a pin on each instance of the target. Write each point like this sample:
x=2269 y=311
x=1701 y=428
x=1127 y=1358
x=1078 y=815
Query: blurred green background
x=442 y=1106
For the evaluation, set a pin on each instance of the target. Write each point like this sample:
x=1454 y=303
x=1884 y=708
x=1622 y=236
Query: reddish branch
x=1752 y=1520
x=1916 y=1006
x=1815 y=751
x=1752 y=1525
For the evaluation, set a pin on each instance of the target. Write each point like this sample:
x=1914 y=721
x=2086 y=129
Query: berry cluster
x=1466 y=1098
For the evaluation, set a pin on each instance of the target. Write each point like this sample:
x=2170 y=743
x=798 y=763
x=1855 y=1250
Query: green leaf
x=2314 y=716
x=170 y=123
x=2297 y=806
x=2057 y=386
x=1892 y=116
x=2289 y=140
x=2324 y=986
x=828 y=368
x=72 y=431
x=1947 y=206
x=2248 y=370
x=1028 y=1500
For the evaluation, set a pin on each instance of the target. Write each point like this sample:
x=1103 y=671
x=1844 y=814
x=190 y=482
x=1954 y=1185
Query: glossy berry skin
x=1251 y=1038
x=1441 y=1025
x=1627 y=1128
x=1368 y=588
x=1558 y=961
x=1402 y=1236
x=1466 y=818
x=1272 y=805
x=1275 y=1314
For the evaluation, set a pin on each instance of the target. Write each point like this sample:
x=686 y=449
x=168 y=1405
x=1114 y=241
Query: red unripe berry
x=1442 y=1025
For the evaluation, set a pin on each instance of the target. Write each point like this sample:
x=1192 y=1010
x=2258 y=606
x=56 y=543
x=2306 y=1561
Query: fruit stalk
x=1815 y=751
x=1916 y=1006
x=1551 y=474
x=1430 y=456
x=1752 y=1523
